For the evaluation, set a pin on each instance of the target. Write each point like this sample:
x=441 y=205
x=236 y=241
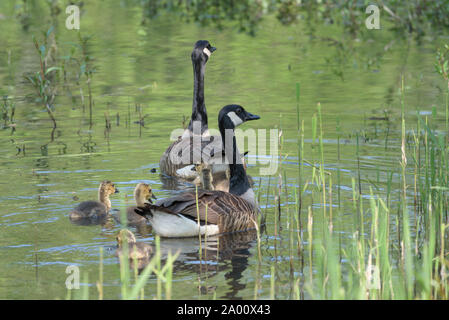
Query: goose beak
x=116 y=190
x=212 y=49
x=153 y=196
x=250 y=116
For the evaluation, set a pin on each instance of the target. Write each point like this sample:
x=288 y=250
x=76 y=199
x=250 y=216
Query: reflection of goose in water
x=227 y=253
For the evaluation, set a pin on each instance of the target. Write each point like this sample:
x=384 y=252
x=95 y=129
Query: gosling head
x=202 y=51
x=143 y=193
x=233 y=115
x=125 y=235
x=107 y=188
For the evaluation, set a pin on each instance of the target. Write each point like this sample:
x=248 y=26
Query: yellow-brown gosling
x=95 y=209
x=142 y=194
x=218 y=181
x=136 y=250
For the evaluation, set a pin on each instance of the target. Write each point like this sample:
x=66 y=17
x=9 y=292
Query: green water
x=149 y=67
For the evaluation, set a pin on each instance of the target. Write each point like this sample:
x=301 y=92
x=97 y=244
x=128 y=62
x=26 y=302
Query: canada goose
x=218 y=211
x=142 y=193
x=200 y=55
x=136 y=250
x=95 y=209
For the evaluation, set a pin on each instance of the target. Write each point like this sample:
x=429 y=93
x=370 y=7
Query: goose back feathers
x=218 y=212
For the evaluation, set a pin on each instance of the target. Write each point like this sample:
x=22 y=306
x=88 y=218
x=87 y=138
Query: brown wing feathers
x=229 y=212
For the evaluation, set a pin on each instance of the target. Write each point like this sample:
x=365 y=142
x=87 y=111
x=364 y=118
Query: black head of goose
x=200 y=55
x=210 y=212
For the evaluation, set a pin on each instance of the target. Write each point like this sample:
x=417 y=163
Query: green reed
x=43 y=80
x=394 y=252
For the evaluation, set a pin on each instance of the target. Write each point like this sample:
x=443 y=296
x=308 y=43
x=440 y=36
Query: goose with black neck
x=210 y=212
x=201 y=54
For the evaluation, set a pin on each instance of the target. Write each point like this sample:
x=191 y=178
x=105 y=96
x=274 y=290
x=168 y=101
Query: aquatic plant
x=42 y=80
x=442 y=63
x=7 y=112
x=86 y=68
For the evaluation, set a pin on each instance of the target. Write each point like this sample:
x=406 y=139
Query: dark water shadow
x=172 y=183
x=228 y=252
x=103 y=220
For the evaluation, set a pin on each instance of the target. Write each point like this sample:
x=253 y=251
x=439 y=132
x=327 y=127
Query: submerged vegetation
x=357 y=210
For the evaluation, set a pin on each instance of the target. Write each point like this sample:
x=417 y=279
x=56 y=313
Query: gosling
x=208 y=181
x=136 y=250
x=95 y=209
x=218 y=181
x=142 y=193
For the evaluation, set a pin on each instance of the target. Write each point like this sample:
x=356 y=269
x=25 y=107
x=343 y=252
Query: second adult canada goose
x=200 y=55
x=218 y=211
x=95 y=209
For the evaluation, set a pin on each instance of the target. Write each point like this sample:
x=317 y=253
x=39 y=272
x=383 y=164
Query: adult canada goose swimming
x=142 y=194
x=136 y=250
x=200 y=55
x=95 y=209
x=218 y=211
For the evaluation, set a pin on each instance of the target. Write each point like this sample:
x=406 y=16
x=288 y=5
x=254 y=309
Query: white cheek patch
x=207 y=52
x=235 y=118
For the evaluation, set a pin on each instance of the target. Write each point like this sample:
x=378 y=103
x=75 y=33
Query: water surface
x=149 y=67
